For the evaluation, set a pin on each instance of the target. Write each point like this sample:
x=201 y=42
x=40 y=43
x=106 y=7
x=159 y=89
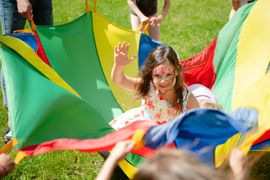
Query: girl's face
x=164 y=77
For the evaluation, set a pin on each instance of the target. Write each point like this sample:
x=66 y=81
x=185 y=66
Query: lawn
x=189 y=27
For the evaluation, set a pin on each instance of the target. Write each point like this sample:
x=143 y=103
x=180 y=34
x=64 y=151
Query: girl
x=143 y=11
x=160 y=86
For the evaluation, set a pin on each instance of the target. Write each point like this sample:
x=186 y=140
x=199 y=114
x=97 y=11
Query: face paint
x=162 y=70
x=163 y=75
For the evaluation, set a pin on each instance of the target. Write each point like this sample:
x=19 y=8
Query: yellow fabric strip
x=23 y=31
x=107 y=35
x=30 y=56
x=20 y=155
x=253 y=52
x=222 y=151
x=127 y=168
x=245 y=147
x=138 y=138
x=259 y=99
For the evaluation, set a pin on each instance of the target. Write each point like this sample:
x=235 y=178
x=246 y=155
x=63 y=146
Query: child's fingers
x=127 y=47
x=118 y=47
x=122 y=46
x=115 y=49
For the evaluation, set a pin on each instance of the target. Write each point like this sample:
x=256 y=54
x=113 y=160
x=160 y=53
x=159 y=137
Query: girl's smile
x=163 y=76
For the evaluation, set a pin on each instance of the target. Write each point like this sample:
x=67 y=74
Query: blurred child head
x=174 y=165
x=204 y=96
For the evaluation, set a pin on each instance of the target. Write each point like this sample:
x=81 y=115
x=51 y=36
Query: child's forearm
x=135 y=9
x=117 y=74
x=166 y=7
x=107 y=169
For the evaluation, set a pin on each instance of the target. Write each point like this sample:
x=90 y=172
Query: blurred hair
x=176 y=165
x=211 y=105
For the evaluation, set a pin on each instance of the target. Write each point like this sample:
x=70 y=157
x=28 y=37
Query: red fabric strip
x=40 y=50
x=101 y=144
x=264 y=137
x=199 y=69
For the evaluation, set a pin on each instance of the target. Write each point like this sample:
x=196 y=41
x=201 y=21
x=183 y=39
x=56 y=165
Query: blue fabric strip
x=28 y=38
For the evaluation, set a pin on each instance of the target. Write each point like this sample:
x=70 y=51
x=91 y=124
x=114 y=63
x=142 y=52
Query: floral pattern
x=154 y=108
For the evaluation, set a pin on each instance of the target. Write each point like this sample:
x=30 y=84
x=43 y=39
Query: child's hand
x=25 y=9
x=121 y=54
x=238 y=164
x=6 y=164
x=121 y=149
x=155 y=21
x=144 y=19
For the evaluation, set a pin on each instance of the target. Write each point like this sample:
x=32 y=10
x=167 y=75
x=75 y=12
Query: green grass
x=189 y=27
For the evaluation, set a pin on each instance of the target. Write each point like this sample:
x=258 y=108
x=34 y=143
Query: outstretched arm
x=155 y=21
x=137 y=11
x=120 y=150
x=120 y=61
x=166 y=7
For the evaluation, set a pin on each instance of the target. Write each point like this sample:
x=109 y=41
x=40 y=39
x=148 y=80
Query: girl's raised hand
x=121 y=54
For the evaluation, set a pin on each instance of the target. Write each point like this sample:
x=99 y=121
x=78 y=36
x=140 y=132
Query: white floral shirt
x=154 y=108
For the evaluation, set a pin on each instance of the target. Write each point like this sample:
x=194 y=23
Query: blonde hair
x=211 y=105
x=174 y=165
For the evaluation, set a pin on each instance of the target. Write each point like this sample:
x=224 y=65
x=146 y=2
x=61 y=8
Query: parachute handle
x=87 y=9
x=33 y=25
x=143 y=27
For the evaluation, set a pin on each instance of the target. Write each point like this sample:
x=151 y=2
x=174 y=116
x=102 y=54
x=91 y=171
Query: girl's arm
x=137 y=11
x=157 y=20
x=120 y=61
x=166 y=7
x=192 y=102
x=120 y=150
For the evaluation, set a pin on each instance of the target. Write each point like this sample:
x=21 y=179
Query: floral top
x=154 y=108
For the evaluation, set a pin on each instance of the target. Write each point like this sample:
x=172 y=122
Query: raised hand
x=155 y=21
x=121 y=54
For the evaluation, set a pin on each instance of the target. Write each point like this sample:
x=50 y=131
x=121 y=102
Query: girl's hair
x=156 y=57
x=211 y=105
x=176 y=164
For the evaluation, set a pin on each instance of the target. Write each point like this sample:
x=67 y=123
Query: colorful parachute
x=61 y=96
